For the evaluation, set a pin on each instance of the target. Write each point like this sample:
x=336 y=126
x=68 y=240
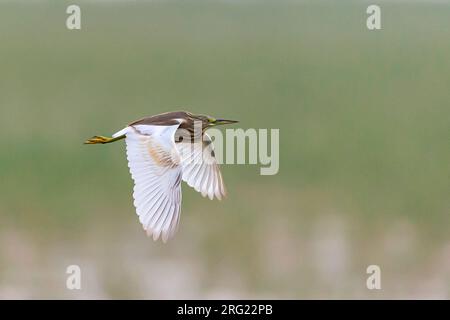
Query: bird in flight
x=163 y=150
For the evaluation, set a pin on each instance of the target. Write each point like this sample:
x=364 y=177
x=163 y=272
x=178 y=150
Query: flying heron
x=162 y=150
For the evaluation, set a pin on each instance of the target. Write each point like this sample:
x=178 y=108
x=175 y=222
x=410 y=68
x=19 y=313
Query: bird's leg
x=102 y=139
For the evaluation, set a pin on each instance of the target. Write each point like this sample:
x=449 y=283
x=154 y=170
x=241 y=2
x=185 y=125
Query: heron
x=162 y=151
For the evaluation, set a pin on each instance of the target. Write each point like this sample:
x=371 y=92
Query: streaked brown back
x=163 y=119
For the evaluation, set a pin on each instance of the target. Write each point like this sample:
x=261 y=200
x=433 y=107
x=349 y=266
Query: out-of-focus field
x=364 y=122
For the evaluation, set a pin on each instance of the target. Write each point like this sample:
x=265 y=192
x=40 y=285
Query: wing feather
x=200 y=168
x=157 y=166
x=154 y=166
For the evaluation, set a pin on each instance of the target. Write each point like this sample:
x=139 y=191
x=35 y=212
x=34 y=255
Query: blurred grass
x=364 y=122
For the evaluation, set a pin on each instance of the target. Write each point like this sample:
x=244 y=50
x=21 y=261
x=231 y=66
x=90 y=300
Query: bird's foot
x=98 y=139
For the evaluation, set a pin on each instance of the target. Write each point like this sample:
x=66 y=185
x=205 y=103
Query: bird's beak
x=223 y=121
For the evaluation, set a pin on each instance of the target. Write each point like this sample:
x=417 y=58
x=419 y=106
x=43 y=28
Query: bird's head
x=208 y=121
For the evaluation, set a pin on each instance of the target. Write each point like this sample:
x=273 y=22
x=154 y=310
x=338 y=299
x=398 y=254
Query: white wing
x=154 y=165
x=200 y=168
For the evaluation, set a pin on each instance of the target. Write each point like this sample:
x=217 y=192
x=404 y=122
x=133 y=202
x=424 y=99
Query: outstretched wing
x=200 y=168
x=154 y=164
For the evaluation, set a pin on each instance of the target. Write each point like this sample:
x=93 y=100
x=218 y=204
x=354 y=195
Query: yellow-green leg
x=102 y=139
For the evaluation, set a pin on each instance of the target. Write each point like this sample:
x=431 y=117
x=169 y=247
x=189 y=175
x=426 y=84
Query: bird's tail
x=103 y=140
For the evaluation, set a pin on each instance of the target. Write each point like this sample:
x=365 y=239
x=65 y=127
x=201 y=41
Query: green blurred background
x=364 y=120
